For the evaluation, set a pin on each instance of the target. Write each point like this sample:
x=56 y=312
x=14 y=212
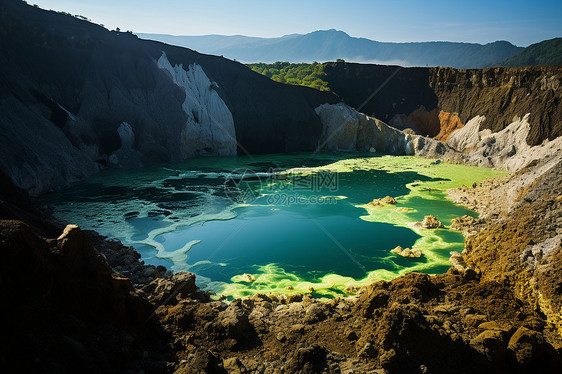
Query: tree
x=311 y=75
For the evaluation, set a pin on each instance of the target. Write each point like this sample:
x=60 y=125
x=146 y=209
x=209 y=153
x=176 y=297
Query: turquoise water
x=281 y=223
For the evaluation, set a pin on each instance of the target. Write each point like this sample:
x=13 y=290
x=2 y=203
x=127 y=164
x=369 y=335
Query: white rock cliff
x=345 y=129
x=210 y=127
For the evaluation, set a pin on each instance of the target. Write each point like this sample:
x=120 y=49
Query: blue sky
x=520 y=22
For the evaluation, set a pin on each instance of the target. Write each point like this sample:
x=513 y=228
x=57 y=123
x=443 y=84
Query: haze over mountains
x=329 y=45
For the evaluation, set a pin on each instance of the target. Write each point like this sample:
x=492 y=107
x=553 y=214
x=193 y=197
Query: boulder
x=457 y=261
x=233 y=365
x=315 y=313
x=371 y=300
x=407 y=252
x=311 y=359
x=234 y=321
x=431 y=222
x=526 y=346
x=170 y=291
x=249 y=278
x=490 y=344
x=463 y=223
x=387 y=200
x=202 y=361
x=501 y=326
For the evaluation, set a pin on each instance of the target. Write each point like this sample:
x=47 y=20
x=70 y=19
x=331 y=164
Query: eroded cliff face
x=76 y=98
x=520 y=243
x=502 y=94
x=209 y=124
x=430 y=100
x=507 y=149
x=345 y=129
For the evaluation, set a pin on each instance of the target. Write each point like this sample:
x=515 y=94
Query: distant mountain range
x=329 y=45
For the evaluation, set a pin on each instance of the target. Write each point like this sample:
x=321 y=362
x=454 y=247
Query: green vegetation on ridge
x=309 y=75
x=548 y=52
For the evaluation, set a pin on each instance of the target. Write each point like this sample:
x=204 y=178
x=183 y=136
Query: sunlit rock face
x=209 y=127
x=506 y=149
x=345 y=129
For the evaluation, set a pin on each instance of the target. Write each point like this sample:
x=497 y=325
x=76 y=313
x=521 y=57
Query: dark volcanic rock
x=527 y=345
x=311 y=359
x=490 y=343
x=65 y=310
x=15 y=204
x=74 y=96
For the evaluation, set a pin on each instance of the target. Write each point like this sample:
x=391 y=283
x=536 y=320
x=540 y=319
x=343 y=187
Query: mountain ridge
x=547 y=52
x=329 y=45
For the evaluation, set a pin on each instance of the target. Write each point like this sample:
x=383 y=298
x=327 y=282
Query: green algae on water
x=327 y=242
x=425 y=196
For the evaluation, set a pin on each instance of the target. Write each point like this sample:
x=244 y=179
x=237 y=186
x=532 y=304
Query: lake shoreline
x=480 y=315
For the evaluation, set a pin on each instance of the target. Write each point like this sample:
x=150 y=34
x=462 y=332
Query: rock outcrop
x=430 y=222
x=506 y=149
x=65 y=310
x=435 y=101
x=407 y=252
x=387 y=200
x=209 y=125
x=76 y=97
x=345 y=129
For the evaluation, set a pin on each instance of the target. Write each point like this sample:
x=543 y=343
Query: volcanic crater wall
x=437 y=101
x=76 y=97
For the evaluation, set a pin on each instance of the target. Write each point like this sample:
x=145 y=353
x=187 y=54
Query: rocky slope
x=76 y=97
x=523 y=244
x=436 y=101
x=68 y=311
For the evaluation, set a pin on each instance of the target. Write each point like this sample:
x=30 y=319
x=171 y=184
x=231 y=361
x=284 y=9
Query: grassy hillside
x=310 y=75
x=548 y=52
